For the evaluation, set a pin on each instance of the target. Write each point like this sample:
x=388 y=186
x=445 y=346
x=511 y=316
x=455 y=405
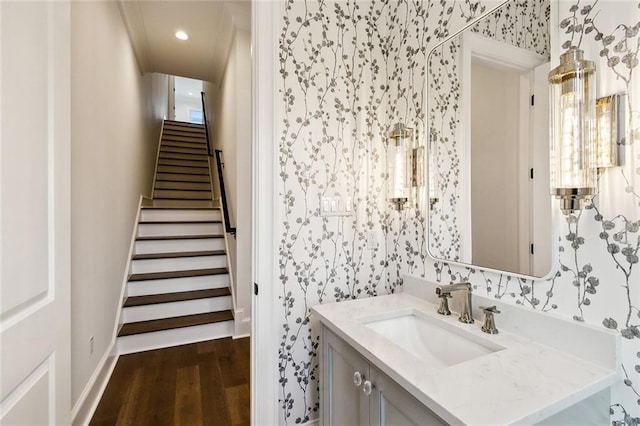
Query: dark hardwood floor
x=203 y=383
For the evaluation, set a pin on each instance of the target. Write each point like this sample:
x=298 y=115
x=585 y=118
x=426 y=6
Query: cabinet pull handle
x=366 y=388
x=357 y=378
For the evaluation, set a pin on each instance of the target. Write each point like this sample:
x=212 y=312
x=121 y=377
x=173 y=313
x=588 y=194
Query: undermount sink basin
x=431 y=339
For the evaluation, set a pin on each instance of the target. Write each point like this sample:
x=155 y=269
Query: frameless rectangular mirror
x=489 y=142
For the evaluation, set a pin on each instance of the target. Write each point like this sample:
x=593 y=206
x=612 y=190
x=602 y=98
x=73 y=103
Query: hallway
x=204 y=383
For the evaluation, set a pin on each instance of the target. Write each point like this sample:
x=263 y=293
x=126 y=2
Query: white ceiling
x=210 y=25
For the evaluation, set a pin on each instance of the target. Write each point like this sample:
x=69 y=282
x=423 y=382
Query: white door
x=34 y=213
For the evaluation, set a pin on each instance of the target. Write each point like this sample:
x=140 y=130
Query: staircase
x=178 y=288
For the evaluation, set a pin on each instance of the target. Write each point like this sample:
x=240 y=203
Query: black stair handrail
x=206 y=124
x=223 y=194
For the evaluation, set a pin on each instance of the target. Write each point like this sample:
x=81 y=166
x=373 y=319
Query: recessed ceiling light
x=181 y=35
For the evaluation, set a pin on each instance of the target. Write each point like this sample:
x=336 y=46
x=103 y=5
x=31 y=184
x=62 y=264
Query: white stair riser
x=175 y=309
x=191 y=142
x=182 y=186
x=202 y=162
x=173 y=229
x=180 y=169
x=170 y=127
x=173 y=285
x=182 y=203
x=180 y=194
x=156 y=215
x=143 y=266
x=171 y=135
x=175 y=337
x=182 y=178
x=174 y=246
x=171 y=155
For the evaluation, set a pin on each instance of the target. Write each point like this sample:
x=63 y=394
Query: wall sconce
x=432 y=181
x=573 y=127
x=610 y=130
x=405 y=166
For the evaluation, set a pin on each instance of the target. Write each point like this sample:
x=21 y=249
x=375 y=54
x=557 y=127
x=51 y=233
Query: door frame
x=265 y=212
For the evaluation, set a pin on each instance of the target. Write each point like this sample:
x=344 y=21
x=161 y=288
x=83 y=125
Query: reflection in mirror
x=489 y=146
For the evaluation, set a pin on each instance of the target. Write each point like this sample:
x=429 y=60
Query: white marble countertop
x=522 y=384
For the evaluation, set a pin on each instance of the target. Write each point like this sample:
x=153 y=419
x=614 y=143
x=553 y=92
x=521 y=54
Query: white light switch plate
x=336 y=206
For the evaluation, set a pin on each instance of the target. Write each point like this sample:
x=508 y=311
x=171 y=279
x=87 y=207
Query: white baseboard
x=87 y=403
x=242 y=324
x=241 y=336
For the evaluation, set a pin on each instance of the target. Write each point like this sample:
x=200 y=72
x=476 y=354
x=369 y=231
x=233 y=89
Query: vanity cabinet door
x=342 y=402
x=391 y=405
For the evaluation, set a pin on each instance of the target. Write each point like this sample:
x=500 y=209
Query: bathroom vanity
x=358 y=393
x=392 y=360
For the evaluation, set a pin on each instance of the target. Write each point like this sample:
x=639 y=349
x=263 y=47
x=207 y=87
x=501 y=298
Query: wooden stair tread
x=184 y=170
x=171 y=222
x=177 y=188
x=185 y=143
x=174 y=322
x=185 y=198
x=181 y=150
x=174 y=127
x=188 y=157
x=184 y=129
x=182 y=186
x=184 y=136
x=179 y=237
x=180 y=177
x=202 y=150
x=177 y=274
x=182 y=296
x=179 y=208
x=184 y=124
x=188 y=138
x=183 y=163
x=168 y=182
x=176 y=255
x=182 y=202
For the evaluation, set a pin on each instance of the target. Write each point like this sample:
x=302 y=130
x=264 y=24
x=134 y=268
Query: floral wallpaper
x=350 y=69
x=334 y=91
x=595 y=278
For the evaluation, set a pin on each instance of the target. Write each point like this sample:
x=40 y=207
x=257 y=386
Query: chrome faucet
x=444 y=291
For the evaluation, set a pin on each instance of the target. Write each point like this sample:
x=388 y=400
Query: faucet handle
x=489 y=325
x=491 y=309
x=444 y=304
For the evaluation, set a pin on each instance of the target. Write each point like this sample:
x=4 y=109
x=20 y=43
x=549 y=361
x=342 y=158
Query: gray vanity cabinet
x=354 y=392
x=341 y=401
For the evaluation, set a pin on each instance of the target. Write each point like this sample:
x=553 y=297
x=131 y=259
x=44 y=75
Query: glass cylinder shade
x=607 y=109
x=573 y=131
x=399 y=165
x=431 y=167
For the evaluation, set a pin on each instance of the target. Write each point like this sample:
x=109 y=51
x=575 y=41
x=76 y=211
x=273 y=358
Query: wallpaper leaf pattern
x=349 y=69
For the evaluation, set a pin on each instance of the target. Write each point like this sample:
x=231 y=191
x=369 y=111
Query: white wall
x=187 y=97
x=116 y=116
x=184 y=105
x=229 y=110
